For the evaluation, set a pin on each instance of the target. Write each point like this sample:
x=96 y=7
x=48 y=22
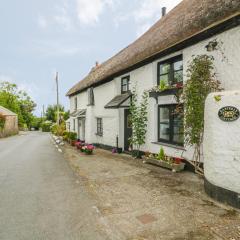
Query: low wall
x=221 y=147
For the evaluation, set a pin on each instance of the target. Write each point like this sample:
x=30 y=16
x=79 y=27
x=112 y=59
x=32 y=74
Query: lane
x=40 y=197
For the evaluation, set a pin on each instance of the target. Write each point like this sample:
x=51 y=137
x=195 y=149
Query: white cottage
x=99 y=104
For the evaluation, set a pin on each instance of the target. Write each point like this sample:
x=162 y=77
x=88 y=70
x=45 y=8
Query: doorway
x=127 y=130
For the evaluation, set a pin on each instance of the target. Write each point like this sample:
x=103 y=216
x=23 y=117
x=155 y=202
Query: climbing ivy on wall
x=2 y=121
x=201 y=80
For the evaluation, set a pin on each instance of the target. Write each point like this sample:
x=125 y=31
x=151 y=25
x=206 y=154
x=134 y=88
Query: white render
x=228 y=71
x=222 y=143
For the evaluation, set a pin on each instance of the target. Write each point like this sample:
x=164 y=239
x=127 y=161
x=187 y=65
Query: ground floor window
x=74 y=125
x=99 y=127
x=170 y=125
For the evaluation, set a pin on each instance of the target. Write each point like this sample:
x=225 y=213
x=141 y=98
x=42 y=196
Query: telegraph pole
x=43 y=111
x=57 y=99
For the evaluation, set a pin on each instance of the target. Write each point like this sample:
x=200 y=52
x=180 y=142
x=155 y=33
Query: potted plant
x=88 y=149
x=79 y=144
x=161 y=159
x=72 y=136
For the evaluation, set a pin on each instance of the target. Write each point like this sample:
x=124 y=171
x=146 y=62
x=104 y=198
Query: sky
x=40 y=37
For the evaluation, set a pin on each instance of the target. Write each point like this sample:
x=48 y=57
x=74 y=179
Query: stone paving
x=136 y=201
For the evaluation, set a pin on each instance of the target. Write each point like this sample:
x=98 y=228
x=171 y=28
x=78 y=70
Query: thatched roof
x=187 y=19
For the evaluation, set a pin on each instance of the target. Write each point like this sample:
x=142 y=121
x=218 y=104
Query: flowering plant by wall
x=88 y=149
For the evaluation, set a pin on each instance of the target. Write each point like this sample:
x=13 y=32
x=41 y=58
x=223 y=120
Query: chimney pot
x=164 y=11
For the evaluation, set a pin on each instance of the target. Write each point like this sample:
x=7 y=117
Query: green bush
x=161 y=154
x=46 y=126
x=72 y=136
x=59 y=130
x=2 y=121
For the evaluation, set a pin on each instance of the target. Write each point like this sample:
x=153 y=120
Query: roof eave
x=213 y=29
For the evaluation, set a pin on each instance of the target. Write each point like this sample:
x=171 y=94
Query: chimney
x=164 y=11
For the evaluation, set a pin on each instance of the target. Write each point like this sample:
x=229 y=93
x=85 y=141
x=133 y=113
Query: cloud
x=61 y=17
x=90 y=11
x=51 y=48
x=42 y=22
x=146 y=14
x=30 y=88
x=5 y=78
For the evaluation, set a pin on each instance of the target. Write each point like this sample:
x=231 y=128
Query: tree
x=36 y=122
x=201 y=81
x=51 y=112
x=18 y=102
x=138 y=116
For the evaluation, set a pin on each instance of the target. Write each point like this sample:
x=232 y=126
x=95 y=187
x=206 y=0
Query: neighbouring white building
x=99 y=104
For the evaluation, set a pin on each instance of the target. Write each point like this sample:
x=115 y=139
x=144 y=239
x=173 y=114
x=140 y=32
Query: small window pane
x=124 y=81
x=164 y=129
x=178 y=76
x=164 y=78
x=124 y=88
x=99 y=126
x=178 y=136
x=178 y=65
x=164 y=115
x=164 y=68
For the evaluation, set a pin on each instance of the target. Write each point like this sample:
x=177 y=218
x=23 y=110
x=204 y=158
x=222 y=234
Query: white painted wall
x=227 y=70
x=222 y=143
x=145 y=78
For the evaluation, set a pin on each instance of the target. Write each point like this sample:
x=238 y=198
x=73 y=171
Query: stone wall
x=11 y=126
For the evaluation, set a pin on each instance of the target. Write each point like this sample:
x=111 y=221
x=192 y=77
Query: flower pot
x=173 y=166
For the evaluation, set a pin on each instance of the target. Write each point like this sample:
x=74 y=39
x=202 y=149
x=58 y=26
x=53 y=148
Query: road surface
x=40 y=197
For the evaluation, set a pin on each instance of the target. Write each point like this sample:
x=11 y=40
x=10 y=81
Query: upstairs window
x=125 y=84
x=171 y=71
x=99 y=127
x=75 y=103
x=90 y=97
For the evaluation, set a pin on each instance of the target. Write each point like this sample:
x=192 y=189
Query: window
x=90 y=97
x=75 y=103
x=99 y=127
x=170 y=125
x=125 y=84
x=171 y=71
x=74 y=125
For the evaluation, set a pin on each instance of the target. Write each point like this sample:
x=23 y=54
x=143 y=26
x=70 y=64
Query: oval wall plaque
x=228 y=114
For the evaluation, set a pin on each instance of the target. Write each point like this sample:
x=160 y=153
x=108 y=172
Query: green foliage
x=138 y=117
x=163 y=85
x=66 y=115
x=72 y=136
x=59 y=130
x=46 y=126
x=217 y=98
x=18 y=102
x=201 y=81
x=36 y=123
x=2 y=121
x=161 y=154
x=51 y=112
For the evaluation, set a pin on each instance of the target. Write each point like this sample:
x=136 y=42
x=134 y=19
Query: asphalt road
x=40 y=197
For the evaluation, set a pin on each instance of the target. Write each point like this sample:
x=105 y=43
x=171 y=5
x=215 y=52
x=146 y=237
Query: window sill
x=170 y=145
x=170 y=91
x=99 y=134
